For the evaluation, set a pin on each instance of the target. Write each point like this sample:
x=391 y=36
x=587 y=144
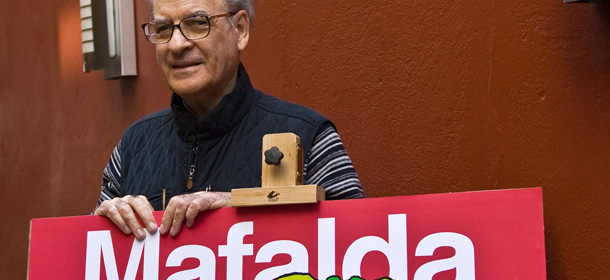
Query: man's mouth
x=185 y=65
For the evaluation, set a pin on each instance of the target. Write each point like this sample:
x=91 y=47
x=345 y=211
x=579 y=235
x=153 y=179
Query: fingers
x=122 y=212
x=141 y=205
x=188 y=206
x=194 y=209
x=127 y=213
x=174 y=215
x=109 y=209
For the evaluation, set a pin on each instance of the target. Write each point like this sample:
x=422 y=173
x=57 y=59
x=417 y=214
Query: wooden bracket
x=282 y=176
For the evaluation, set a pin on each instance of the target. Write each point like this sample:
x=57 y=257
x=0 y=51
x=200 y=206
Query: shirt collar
x=232 y=108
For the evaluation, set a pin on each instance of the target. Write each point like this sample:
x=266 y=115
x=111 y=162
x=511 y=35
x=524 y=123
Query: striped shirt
x=326 y=165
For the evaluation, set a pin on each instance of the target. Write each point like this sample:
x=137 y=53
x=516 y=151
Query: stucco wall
x=428 y=96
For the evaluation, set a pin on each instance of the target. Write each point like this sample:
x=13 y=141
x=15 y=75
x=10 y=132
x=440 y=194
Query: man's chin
x=185 y=86
x=183 y=92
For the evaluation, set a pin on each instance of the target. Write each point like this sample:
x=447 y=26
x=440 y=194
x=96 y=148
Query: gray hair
x=238 y=5
x=232 y=5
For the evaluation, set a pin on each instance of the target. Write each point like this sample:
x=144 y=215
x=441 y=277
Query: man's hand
x=122 y=212
x=187 y=207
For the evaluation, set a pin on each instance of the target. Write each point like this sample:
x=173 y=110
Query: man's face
x=198 y=69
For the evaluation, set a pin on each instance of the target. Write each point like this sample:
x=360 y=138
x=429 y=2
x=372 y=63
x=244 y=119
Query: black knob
x=273 y=156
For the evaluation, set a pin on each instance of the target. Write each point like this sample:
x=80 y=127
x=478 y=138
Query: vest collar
x=222 y=118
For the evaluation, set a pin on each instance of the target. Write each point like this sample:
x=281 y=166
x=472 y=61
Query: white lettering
x=100 y=249
x=395 y=249
x=462 y=261
x=298 y=254
x=207 y=263
x=326 y=248
x=99 y=243
x=236 y=249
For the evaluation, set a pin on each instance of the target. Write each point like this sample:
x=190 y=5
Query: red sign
x=463 y=236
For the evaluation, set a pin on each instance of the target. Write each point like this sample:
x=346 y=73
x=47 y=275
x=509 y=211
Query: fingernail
x=152 y=226
x=126 y=230
x=140 y=234
x=162 y=229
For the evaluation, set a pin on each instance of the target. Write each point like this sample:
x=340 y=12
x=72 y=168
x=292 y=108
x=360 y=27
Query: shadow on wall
x=603 y=8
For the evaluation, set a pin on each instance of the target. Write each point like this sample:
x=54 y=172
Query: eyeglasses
x=192 y=28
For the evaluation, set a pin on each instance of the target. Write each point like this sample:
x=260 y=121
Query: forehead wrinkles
x=176 y=10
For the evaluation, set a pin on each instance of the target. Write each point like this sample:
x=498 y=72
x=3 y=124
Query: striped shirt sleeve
x=111 y=187
x=328 y=166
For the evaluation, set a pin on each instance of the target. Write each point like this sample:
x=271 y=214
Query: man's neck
x=201 y=104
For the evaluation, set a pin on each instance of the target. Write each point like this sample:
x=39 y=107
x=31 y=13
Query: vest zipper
x=189 y=184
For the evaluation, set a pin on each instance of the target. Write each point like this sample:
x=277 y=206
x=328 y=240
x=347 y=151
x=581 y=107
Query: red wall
x=428 y=96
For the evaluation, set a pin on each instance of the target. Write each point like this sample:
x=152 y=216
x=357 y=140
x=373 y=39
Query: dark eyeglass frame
x=174 y=26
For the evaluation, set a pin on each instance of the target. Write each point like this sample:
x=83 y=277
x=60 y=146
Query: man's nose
x=178 y=41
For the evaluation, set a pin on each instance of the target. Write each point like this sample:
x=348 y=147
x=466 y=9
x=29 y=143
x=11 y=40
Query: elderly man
x=209 y=140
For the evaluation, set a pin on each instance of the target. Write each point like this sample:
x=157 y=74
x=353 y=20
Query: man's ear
x=242 y=24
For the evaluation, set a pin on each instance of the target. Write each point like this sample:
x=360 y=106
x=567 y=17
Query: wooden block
x=290 y=170
x=281 y=184
x=277 y=195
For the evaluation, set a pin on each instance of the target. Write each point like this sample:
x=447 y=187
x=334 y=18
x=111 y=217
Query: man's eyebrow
x=200 y=13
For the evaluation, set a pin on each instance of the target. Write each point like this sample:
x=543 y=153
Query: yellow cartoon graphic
x=306 y=276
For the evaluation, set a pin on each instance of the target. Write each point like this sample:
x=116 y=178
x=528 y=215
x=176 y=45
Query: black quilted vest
x=224 y=145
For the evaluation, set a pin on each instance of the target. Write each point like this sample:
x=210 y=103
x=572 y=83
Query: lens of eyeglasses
x=158 y=32
x=195 y=27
